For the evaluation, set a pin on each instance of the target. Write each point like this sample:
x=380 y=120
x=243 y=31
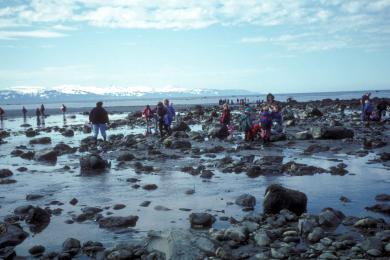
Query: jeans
x=99 y=127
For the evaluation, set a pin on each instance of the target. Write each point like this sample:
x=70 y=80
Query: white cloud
x=328 y=17
x=9 y=35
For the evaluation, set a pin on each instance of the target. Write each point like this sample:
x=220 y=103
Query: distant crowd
x=258 y=120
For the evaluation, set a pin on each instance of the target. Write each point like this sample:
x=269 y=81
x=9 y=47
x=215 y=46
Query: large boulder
x=11 y=235
x=336 y=132
x=277 y=198
x=93 y=163
x=218 y=131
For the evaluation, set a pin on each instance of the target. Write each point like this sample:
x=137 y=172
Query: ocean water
x=140 y=102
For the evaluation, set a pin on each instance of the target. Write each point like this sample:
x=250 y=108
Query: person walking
x=99 y=118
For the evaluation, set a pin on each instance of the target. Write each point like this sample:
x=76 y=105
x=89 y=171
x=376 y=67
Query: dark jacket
x=161 y=111
x=98 y=115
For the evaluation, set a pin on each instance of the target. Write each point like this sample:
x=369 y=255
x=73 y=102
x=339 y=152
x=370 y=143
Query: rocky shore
x=274 y=221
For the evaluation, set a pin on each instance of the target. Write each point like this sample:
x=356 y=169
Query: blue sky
x=260 y=45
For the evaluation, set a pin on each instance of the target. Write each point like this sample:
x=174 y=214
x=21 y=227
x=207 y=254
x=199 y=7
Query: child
x=148 y=115
x=266 y=124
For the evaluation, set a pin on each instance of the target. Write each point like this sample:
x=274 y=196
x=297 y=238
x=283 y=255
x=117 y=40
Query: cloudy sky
x=259 y=45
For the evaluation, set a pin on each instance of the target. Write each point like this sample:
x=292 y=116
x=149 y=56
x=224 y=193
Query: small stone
x=73 y=201
x=118 y=206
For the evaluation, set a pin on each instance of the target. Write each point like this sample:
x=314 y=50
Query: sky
x=280 y=46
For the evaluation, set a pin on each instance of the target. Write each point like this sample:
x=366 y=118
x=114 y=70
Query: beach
x=198 y=170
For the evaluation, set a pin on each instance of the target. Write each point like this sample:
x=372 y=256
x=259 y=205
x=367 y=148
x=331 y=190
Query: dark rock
x=246 y=200
x=73 y=201
x=47 y=156
x=68 y=133
x=118 y=206
x=297 y=169
x=344 y=199
x=4 y=134
x=118 y=222
x=382 y=197
x=4 y=173
x=218 y=131
x=380 y=208
x=201 y=220
x=31 y=132
x=314 y=112
x=149 y=187
x=145 y=203
x=330 y=217
x=11 y=235
x=125 y=156
x=206 y=174
x=38 y=216
x=71 y=246
x=7 y=181
x=93 y=163
x=37 y=250
x=254 y=171
x=277 y=198
x=337 y=132
x=22 y=169
x=62 y=148
x=41 y=140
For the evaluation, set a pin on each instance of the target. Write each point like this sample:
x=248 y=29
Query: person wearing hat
x=99 y=118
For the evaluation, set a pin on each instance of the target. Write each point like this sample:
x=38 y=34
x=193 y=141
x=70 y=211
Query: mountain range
x=33 y=94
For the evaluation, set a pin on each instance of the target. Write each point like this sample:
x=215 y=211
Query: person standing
x=161 y=114
x=99 y=118
x=42 y=111
x=38 y=114
x=225 y=117
x=2 y=113
x=148 y=115
x=170 y=116
x=266 y=124
x=24 y=111
x=63 y=109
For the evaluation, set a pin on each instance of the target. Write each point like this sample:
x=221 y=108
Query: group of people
x=257 y=124
x=163 y=115
x=369 y=113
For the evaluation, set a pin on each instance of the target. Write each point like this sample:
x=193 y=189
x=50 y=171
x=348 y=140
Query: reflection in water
x=1 y=123
x=24 y=119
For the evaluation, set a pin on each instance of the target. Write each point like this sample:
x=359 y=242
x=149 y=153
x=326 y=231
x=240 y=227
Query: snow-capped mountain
x=65 y=93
